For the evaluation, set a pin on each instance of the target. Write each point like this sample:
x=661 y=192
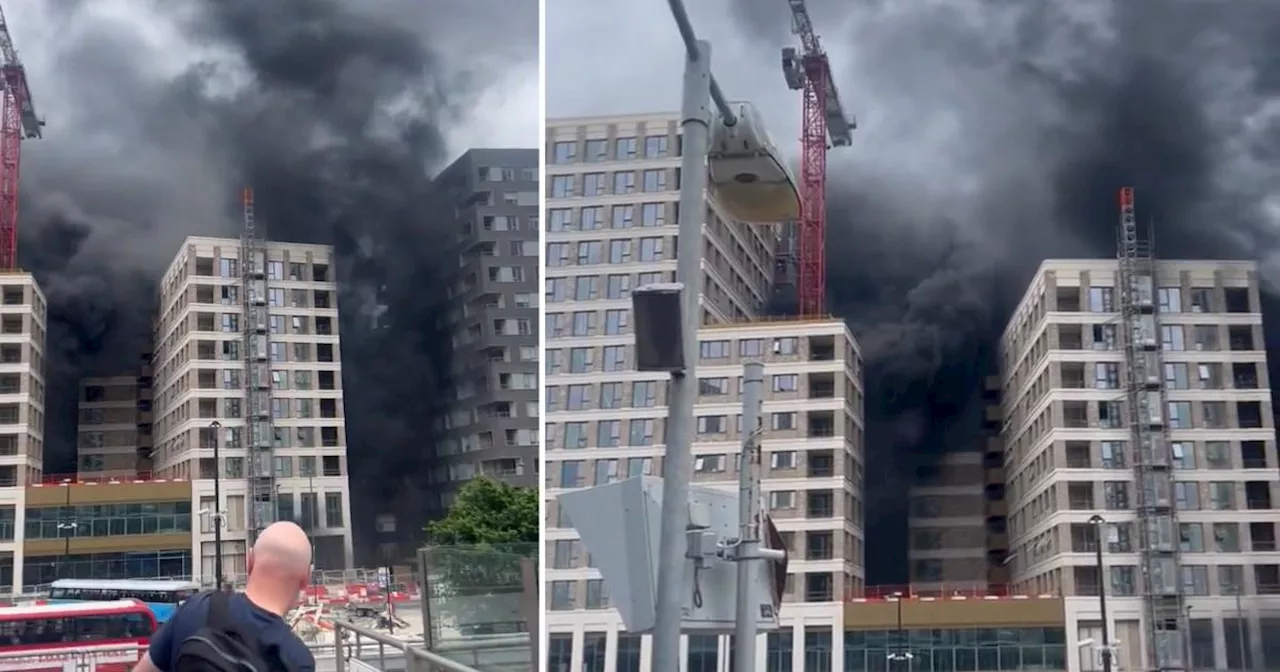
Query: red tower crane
x=824 y=119
x=19 y=122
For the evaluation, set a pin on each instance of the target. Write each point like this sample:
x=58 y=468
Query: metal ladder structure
x=256 y=328
x=1157 y=533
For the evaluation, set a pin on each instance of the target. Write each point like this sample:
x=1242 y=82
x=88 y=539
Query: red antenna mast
x=19 y=122
x=824 y=118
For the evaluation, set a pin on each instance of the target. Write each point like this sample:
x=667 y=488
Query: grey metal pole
x=216 y=516
x=744 y=631
x=695 y=124
x=1240 y=627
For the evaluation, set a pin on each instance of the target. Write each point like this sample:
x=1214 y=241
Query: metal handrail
x=415 y=659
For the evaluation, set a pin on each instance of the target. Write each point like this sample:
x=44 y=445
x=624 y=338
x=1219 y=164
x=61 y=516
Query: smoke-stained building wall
x=490 y=426
x=107 y=433
x=947 y=525
x=200 y=398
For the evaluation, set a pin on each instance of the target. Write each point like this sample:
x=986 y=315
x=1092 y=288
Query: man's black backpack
x=223 y=645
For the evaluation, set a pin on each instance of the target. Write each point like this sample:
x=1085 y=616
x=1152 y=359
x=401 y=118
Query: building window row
x=283 y=466
x=618 y=217
x=231 y=323
x=1124 y=580
x=1102 y=299
x=280 y=297
x=629 y=148
x=293 y=271
x=281 y=437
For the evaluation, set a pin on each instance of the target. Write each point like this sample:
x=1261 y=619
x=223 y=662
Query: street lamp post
x=217 y=507
x=66 y=529
x=699 y=92
x=1105 y=651
x=901 y=653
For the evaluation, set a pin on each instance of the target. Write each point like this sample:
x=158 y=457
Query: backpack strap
x=220 y=610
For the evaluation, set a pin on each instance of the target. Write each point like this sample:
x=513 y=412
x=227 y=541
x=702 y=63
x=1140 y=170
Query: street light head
x=748 y=179
x=1095 y=519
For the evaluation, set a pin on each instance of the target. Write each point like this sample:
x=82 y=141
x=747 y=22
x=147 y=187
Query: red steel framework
x=19 y=123
x=824 y=119
x=812 y=234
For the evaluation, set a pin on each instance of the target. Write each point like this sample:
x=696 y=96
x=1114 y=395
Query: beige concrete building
x=611 y=226
x=22 y=387
x=107 y=432
x=1068 y=453
x=264 y=385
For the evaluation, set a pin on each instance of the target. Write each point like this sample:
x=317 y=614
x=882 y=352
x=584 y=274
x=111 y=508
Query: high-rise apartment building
x=492 y=426
x=611 y=226
x=22 y=360
x=1146 y=409
x=247 y=359
x=107 y=431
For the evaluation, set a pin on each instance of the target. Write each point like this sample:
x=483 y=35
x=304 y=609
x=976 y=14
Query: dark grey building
x=492 y=426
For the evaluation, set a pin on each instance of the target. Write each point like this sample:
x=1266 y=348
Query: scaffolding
x=255 y=327
x=1158 y=534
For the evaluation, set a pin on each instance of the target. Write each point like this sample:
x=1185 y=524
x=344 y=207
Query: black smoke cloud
x=1048 y=108
x=335 y=113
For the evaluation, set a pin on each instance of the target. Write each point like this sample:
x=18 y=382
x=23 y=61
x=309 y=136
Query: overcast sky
x=613 y=57
x=52 y=35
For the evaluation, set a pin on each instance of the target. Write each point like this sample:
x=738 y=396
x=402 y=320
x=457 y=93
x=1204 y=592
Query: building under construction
x=247 y=363
x=1138 y=415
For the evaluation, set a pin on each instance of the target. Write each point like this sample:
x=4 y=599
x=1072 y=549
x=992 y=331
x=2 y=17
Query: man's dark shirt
x=189 y=618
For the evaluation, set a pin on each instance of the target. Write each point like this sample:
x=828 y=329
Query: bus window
x=136 y=625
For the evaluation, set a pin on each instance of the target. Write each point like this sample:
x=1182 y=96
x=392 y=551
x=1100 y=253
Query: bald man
x=279 y=567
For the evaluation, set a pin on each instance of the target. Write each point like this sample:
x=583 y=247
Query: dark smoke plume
x=335 y=112
x=995 y=135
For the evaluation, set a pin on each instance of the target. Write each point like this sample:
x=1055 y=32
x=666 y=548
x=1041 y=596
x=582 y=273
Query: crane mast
x=255 y=328
x=1153 y=464
x=824 y=120
x=19 y=122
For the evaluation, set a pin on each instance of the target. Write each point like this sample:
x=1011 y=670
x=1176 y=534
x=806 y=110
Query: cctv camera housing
x=749 y=181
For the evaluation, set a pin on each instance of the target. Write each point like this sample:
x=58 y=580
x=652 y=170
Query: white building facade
x=1068 y=458
x=23 y=315
x=200 y=398
x=611 y=226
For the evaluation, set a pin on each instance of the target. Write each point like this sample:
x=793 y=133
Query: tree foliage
x=488 y=511
x=473 y=556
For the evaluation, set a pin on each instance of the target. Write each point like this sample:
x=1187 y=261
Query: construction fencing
x=328 y=587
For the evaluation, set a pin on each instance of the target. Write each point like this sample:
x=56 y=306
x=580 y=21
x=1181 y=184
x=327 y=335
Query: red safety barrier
x=942 y=591
x=356 y=593
x=76 y=479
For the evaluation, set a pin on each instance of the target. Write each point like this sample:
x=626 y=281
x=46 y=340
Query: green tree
x=488 y=511
x=473 y=560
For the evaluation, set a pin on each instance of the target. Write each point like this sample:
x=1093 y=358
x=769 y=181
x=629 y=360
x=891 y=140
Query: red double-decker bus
x=101 y=636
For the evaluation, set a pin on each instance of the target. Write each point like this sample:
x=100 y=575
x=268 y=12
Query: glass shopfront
x=42 y=569
x=955 y=650
x=108 y=520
